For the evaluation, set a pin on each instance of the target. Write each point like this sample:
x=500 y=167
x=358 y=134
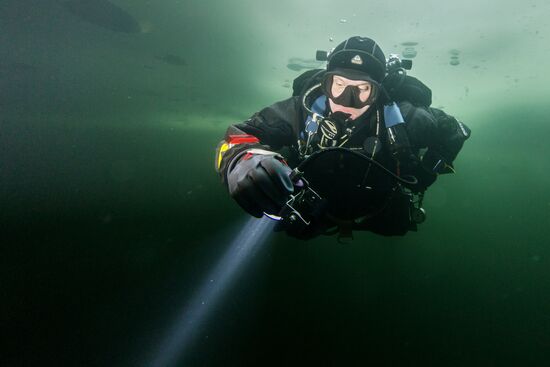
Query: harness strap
x=318 y=109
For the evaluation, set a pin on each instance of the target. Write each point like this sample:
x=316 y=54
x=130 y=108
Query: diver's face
x=339 y=84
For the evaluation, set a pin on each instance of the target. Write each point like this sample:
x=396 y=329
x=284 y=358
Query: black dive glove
x=411 y=166
x=259 y=182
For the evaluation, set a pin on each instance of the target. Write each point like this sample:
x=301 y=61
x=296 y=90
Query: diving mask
x=358 y=94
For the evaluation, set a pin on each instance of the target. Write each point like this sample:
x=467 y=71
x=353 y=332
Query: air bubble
x=409 y=53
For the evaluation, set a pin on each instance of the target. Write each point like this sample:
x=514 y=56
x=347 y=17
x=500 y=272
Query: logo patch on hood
x=357 y=60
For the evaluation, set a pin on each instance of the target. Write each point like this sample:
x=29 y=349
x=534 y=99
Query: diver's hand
x=259 y=181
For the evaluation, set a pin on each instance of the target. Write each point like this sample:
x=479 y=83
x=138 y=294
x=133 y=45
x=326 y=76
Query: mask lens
x=337 y=87
x=364 y=91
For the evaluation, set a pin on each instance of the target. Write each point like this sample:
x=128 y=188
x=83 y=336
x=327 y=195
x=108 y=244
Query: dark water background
x=112 y=215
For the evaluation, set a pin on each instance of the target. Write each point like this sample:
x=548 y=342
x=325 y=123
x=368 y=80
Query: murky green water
x=112 y=215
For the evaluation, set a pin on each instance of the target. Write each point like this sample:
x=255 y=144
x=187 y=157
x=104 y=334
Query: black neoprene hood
x=361 y=54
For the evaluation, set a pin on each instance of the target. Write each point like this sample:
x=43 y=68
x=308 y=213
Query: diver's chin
x=353 y=112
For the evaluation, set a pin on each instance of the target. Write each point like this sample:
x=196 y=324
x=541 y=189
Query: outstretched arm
x=255 y=175
x=270 y=129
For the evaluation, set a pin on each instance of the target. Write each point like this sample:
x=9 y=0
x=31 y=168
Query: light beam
x=179 y=338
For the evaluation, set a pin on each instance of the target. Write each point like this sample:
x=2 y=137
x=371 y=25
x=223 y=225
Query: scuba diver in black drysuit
x=354 y=148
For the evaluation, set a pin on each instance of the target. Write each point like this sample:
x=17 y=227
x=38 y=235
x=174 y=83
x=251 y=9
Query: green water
x=112 y=214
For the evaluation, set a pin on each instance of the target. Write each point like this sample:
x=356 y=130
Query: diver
x=354 y=148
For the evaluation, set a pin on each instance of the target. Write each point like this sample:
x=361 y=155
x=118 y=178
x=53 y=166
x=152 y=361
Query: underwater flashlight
x=186 y=327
